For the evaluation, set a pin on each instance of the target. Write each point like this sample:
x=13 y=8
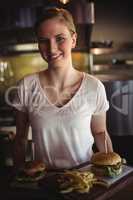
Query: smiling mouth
x=52 y=58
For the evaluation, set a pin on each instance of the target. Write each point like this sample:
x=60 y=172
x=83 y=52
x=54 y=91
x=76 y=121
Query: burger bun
x=101 y=158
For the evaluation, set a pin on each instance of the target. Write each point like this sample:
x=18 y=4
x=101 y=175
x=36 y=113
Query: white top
x=62 y=135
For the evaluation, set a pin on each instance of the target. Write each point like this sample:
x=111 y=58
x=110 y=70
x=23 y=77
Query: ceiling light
x=64 y=1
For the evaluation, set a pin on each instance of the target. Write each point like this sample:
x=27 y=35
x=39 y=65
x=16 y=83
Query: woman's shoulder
x=30 y=77
x=27 y=82
x=93 y=85
x=92 y=80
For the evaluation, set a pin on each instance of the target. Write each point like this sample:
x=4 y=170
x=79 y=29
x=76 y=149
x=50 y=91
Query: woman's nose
x=53 y=47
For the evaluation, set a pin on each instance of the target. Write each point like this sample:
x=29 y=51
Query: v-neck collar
x=66 y=104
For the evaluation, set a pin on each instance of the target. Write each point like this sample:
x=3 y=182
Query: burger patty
x=23 y=177
x=117 y=166
x=108 y=170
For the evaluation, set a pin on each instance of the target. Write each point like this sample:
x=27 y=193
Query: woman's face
x=55 y=42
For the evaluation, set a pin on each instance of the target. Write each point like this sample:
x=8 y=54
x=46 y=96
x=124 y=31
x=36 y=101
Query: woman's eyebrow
x=42 y=38
x=61 y=34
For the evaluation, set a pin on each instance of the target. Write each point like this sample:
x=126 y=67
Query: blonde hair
x=63 y=15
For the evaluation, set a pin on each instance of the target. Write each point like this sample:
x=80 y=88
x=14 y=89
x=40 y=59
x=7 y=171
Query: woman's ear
x=74 y=40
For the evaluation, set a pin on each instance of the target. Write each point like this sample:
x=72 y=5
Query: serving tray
x=107 y=181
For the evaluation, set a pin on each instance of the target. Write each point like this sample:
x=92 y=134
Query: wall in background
x=113 y=21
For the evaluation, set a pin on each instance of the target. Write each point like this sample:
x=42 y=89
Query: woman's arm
x=99 y=131
x=20 y=142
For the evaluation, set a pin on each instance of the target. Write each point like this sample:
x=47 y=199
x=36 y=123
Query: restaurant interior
x=104 y=50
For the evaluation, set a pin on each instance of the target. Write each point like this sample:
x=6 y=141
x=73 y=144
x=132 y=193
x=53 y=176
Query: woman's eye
x=60 y=39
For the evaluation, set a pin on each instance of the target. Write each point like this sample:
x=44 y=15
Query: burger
x=106 y=164
x=31 y=172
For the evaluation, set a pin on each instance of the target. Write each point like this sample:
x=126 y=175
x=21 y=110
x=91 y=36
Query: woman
x=65 y=108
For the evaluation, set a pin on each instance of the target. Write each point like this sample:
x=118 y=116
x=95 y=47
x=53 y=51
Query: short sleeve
x=20 y=96
x=102 y=104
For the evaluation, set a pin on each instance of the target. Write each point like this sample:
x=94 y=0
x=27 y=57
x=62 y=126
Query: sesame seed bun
x=110 y=158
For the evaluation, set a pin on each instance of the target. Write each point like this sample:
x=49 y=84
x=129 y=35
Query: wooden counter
x=121 y=190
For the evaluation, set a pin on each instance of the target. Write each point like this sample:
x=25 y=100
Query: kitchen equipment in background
x=84 y=17
x=6 y=74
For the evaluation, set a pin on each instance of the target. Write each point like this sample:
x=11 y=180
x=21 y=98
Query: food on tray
x=76 y=181
x=32 y=171
x=106 y=164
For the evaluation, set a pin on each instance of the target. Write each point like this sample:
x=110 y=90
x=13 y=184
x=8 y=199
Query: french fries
x=76 y=181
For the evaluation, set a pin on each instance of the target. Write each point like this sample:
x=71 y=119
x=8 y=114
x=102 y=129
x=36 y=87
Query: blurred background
x=104 y=49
